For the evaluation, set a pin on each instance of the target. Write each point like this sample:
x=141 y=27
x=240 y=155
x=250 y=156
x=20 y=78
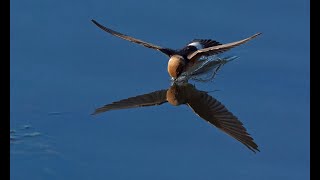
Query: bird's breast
x=176 y=65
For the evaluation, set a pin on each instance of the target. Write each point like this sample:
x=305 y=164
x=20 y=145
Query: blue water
x=63 y=67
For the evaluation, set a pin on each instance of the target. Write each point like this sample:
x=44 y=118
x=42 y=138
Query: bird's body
x=184 y=58
x=179 y=62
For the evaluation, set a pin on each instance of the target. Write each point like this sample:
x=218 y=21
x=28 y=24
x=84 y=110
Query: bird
x=202 y=104
x=182 y=59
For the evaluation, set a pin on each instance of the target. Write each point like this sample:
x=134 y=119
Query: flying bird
x=204 y=105
x=183 y=59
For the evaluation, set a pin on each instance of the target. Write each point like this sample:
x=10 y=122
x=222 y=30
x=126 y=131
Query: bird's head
x=176 y=65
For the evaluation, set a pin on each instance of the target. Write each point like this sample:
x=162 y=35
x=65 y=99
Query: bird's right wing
x=150 y=99
x=219 y=48
x=166 y=51
x=217 y=114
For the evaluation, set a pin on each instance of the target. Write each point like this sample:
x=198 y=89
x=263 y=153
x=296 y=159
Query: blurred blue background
x=63 y=67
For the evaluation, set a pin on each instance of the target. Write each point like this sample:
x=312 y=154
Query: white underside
x=196 y=44
x=204 y=71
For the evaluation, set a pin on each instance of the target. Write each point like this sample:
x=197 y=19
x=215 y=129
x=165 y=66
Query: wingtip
x=253 y=36
x=257 y=34
x=92 y=20
x=256 y=150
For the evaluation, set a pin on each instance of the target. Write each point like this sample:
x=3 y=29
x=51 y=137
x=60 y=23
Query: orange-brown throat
x=176 y=65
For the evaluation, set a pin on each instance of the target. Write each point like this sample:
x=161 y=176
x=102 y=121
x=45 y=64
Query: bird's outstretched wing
x=150 y=99
x=215 y=113
x=219 y=48
x=166 y=51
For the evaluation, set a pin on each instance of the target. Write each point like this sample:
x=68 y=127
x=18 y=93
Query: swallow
x=202 y=104
x=182 y=59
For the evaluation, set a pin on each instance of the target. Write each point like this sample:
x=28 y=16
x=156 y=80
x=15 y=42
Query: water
x=63 y=67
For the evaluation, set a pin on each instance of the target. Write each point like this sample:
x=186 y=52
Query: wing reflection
x=150 y=99
x=204 y=105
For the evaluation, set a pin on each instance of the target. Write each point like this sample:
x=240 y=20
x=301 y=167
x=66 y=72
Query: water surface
x=63 y=68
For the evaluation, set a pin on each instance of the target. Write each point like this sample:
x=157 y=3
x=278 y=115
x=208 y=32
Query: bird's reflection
x=204 y=105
